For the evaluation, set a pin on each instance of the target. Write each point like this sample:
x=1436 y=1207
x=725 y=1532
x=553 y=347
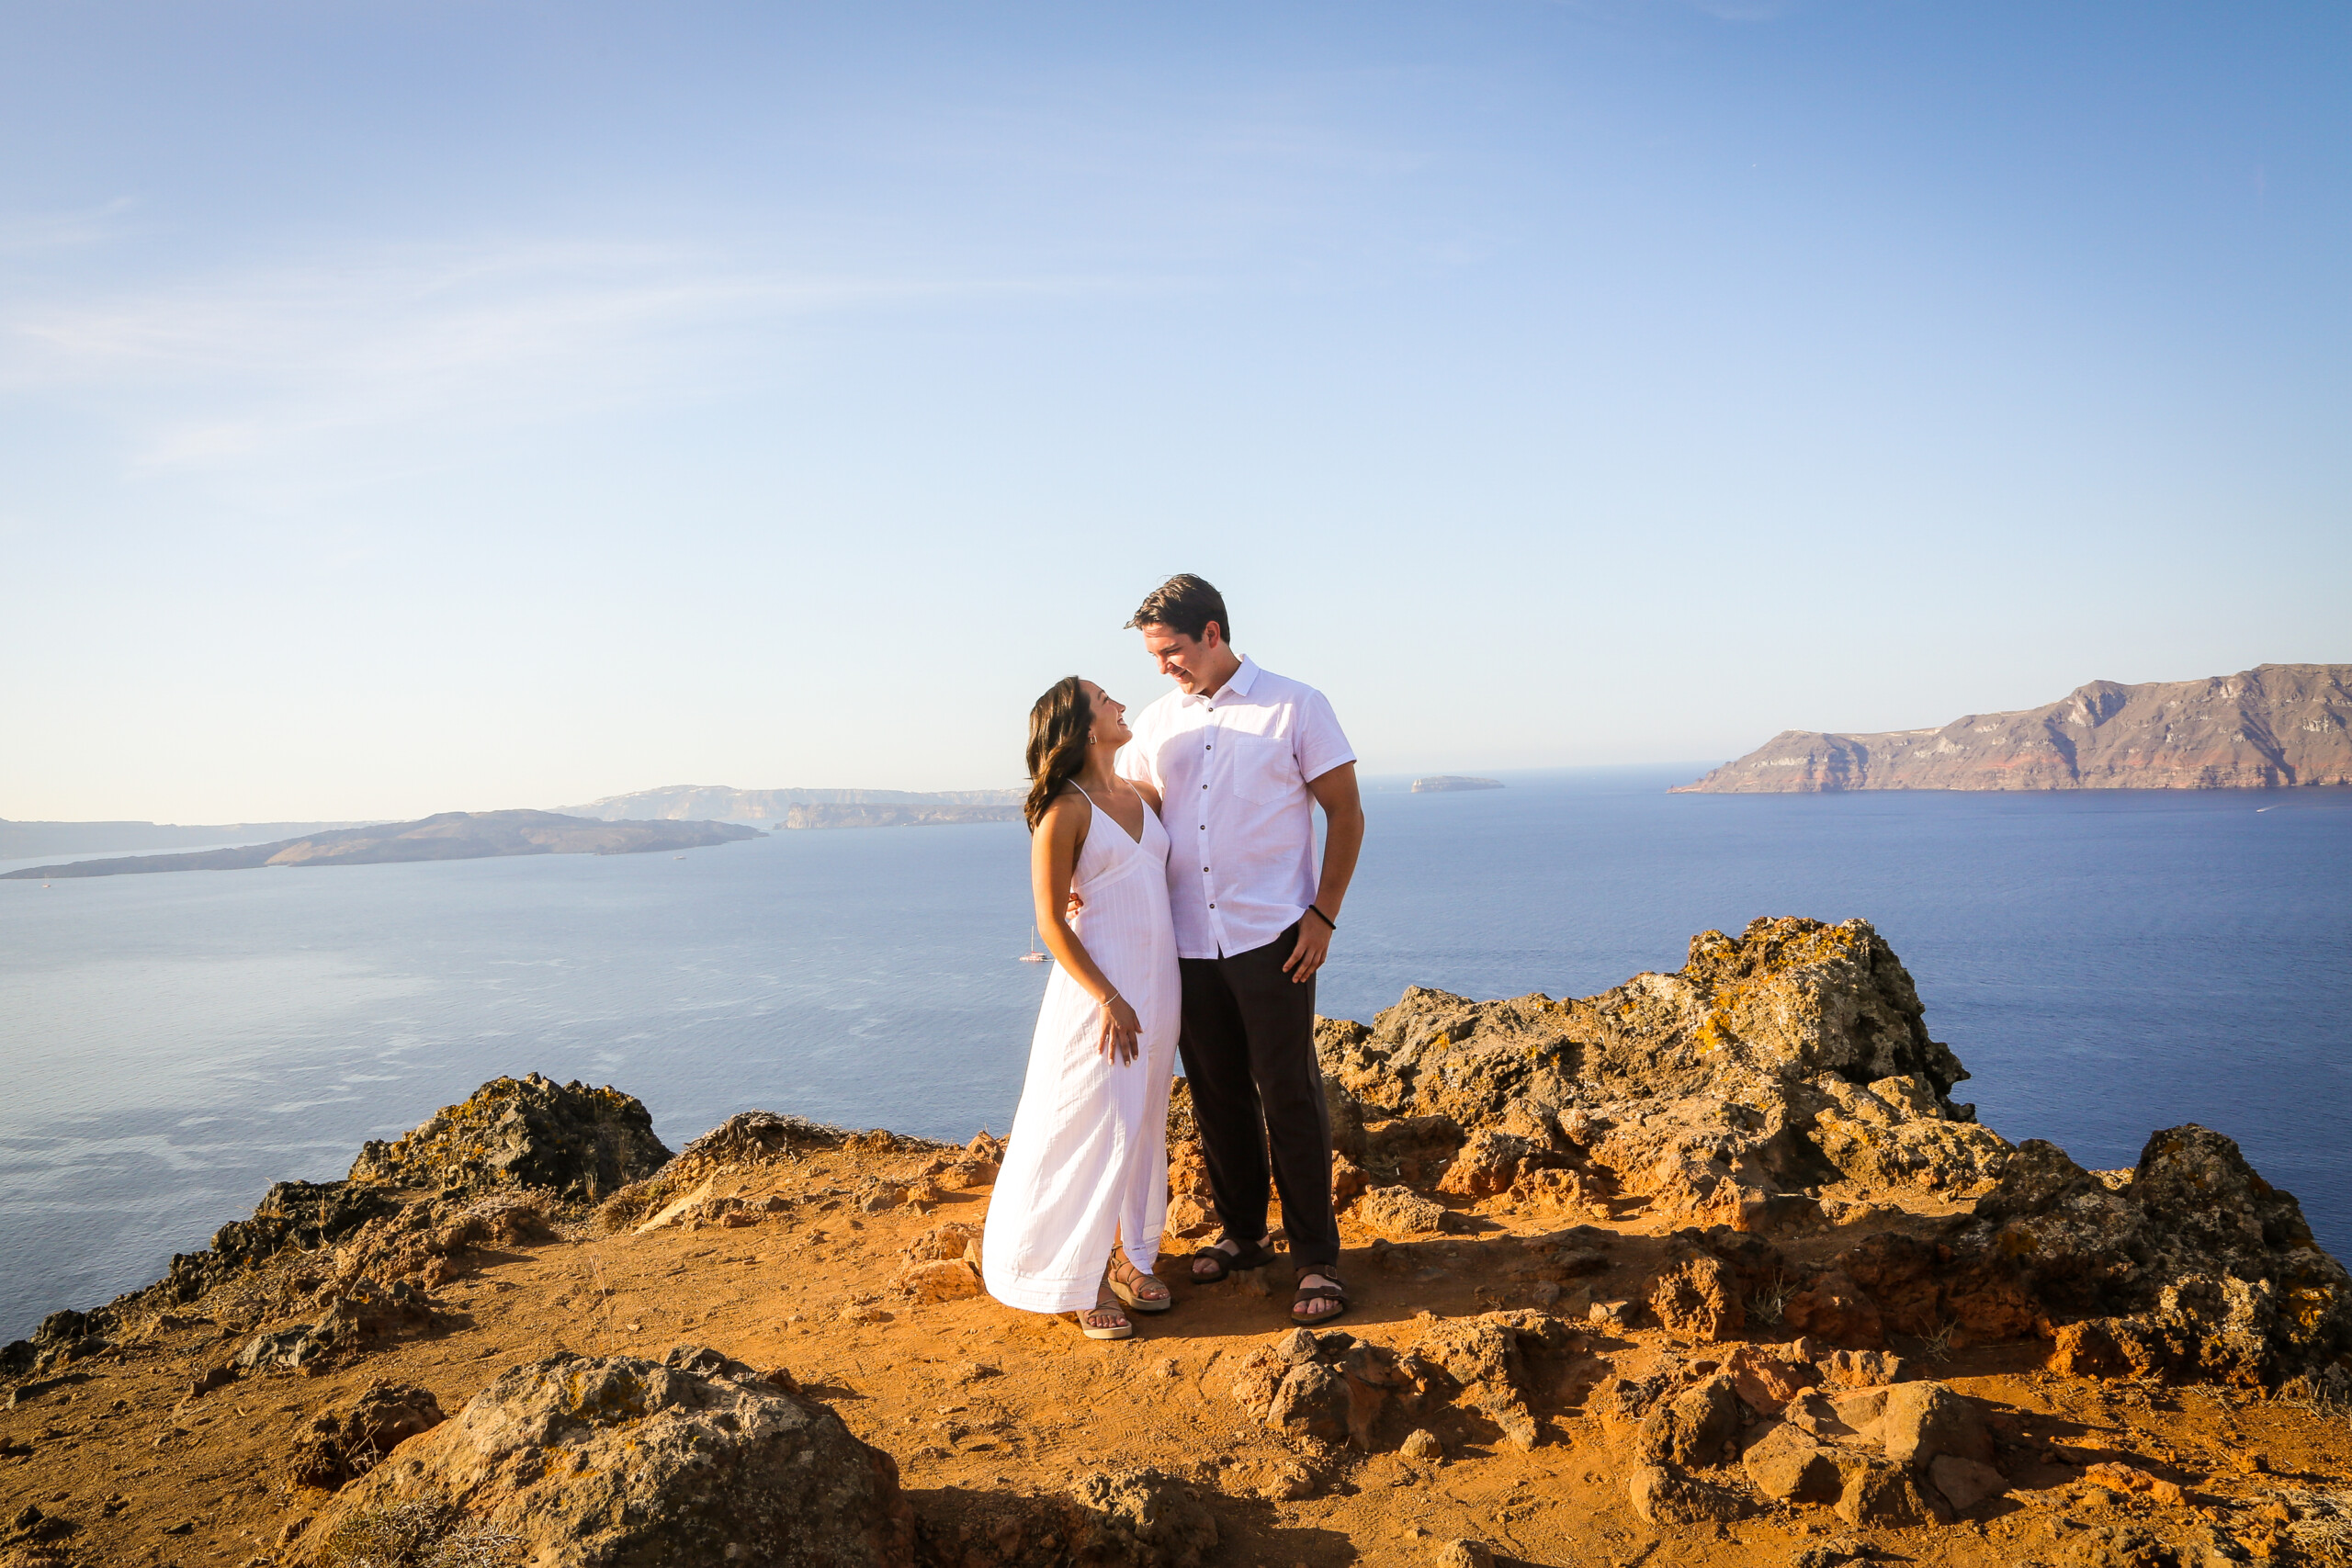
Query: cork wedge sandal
x=1128 y=1283
x=1119 y=1330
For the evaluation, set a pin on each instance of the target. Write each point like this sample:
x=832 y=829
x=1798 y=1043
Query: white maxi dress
x=1088 y=1155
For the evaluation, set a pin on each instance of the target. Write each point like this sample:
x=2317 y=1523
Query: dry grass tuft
x=1768 y=1301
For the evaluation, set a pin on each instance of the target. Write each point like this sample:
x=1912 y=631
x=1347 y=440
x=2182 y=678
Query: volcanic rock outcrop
x=569 y=1139
x=1784 y=1082
x=402 y=1219
x=583 y=1463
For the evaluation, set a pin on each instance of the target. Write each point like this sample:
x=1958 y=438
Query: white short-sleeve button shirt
x=1232 y=771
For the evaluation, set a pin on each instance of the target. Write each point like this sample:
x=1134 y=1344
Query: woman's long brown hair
x=1061 y=724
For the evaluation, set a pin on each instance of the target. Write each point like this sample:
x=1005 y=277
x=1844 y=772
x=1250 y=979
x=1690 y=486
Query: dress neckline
x=1142 y=828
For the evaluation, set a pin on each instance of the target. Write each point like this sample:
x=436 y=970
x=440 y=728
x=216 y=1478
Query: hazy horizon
x=454 y=407
x=1374 y=778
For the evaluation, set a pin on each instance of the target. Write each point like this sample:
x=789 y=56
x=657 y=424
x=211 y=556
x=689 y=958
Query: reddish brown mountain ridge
x=2261 y=728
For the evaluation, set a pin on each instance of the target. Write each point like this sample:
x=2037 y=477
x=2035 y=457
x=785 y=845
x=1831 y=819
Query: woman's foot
x=1142 y=1291
x=1104 y=1320
x=1208 y=1270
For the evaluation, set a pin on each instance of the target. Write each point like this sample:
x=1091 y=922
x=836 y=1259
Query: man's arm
x=1335 y=792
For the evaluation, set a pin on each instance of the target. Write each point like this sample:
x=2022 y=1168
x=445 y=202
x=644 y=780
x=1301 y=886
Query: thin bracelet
x=1325 y=919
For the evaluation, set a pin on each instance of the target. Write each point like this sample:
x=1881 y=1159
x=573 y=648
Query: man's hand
x=1314 y=943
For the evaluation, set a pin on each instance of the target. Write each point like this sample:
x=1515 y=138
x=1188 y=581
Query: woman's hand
x=1120 y=1033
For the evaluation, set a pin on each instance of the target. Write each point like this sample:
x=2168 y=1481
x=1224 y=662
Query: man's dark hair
x=1185 y=604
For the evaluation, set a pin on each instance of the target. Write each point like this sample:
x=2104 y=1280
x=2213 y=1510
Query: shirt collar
x=1242 y=680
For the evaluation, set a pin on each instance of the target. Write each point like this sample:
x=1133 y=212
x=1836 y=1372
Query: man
x=1242 y=757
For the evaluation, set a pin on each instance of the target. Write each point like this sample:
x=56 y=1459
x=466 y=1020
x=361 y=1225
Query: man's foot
x=1207 y=1271
x=1142 y=1291
x=1320 y=1296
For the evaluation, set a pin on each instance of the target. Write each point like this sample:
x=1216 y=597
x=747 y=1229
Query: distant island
x=798 y=808
x=2273 y=726
x=450 y=835
x=1439 y=783
x=21 y=840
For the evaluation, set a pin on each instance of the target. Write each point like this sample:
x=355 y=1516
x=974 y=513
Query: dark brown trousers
x=1248 y=1041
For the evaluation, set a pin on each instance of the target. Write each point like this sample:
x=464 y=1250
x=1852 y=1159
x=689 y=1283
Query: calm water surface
x=2105 y=963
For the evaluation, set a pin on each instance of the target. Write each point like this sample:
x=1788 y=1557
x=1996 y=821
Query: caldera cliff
x=1710 y=1267
x=2271 y=725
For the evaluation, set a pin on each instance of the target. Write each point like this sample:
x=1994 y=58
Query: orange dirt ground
x=976 y=1401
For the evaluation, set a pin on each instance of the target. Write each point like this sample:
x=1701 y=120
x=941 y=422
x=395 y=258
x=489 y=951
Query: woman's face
x=1110 y=717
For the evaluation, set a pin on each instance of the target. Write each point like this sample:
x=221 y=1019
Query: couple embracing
x=1173 y=869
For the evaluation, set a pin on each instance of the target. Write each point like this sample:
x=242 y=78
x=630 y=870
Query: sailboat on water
x=1034 y=956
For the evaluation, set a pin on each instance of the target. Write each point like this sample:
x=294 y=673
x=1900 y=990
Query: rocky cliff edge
x=1708 y=1267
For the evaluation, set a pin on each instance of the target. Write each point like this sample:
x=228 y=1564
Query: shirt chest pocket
x=1263 y=769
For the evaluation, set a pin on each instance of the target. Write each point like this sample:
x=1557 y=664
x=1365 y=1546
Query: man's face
x=1184 y=659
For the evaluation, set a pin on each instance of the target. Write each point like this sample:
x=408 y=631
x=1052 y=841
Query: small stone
x=1698 y=1300
x=1862 y=1369
x=1422 y=1444
x=1619 y=1314
x=1965 y=1481
x=1287 y=1483
x=941 y=1282
x=1921 y=1420
x=1692 y=1429
x=1886 y=1494
x=1664 y=1497
x=2128 y=1478
x=1787 y=1464
x=1466 y=1553
x=1399 y=1211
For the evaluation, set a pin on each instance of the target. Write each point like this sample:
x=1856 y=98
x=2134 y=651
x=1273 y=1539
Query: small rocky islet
x=1709 y=1268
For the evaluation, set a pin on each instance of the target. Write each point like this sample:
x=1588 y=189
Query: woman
x=1088 y=1158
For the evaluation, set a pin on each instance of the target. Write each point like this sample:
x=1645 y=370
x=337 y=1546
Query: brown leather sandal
x=1334 y=1291
x=1251 y=1255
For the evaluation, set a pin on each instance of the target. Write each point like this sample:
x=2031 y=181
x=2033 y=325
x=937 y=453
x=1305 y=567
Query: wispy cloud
x=26 y=231
x=230 y=367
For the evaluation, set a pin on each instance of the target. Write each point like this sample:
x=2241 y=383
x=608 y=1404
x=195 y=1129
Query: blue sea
x=2106 y=964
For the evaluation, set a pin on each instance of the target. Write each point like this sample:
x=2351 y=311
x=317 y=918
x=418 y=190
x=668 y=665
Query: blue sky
x=409 y=407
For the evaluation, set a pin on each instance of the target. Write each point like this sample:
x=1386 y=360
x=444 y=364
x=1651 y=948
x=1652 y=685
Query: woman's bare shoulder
x=1066 y=817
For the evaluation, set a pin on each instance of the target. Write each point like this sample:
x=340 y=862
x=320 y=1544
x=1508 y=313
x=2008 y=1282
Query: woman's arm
x=1052 y=862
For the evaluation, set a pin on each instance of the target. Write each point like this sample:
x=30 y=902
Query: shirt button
x=1212 y=906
